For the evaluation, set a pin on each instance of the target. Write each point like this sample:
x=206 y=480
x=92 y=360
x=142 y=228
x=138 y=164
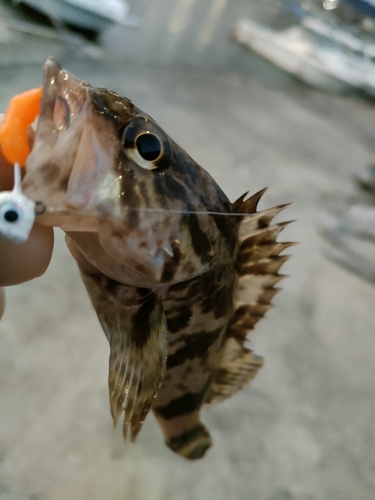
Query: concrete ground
x=305 y=428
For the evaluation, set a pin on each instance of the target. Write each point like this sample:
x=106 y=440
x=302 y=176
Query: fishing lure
x=17 y=212
x=177 y=274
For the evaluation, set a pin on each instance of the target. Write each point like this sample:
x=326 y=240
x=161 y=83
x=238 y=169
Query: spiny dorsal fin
x=258 y=265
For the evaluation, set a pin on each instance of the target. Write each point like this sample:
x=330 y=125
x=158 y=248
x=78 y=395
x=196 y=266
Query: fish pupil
x=11 y=216
x=149 y=146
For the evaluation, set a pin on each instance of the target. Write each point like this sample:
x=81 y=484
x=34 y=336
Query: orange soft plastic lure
x=21 y=113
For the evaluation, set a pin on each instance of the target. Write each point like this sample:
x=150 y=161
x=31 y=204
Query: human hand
x=20 y=262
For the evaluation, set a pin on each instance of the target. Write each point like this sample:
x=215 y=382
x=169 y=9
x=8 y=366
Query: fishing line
x=165 y=210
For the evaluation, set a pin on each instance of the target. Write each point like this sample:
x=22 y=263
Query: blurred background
x=260 y=93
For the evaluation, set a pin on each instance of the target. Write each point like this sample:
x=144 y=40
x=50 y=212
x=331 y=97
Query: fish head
x=101 y=165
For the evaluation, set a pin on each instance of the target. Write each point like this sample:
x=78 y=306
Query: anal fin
x=238 y=366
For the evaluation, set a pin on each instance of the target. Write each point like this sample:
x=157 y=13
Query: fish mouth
x=61 y=168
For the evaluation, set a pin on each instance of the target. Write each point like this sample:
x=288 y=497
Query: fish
x=176 y=273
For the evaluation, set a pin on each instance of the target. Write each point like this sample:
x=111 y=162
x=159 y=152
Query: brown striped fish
x=177 y=274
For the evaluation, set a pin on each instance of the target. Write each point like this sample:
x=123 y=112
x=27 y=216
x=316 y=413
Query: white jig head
x=17 y=212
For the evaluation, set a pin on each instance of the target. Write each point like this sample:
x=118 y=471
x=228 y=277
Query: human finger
x=23 y=262
x=20 y=262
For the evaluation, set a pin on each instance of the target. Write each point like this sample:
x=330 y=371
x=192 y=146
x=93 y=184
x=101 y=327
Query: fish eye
x=145 y=145
x=149 y=146
x=10 y=213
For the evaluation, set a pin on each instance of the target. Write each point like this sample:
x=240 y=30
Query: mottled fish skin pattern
x=175 y=274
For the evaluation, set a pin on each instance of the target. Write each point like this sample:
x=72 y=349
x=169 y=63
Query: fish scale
x=177 y=274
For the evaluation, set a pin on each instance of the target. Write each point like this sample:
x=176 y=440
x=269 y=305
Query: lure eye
x=145 y=145
x=10 y=213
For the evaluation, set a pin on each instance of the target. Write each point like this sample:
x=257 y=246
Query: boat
x=320 y=54
x=92 y=15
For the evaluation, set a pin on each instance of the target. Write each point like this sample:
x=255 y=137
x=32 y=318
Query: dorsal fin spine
x=250 y=205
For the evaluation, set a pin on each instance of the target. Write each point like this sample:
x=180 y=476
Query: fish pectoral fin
x=238 y=366
x=137 y=363
x=134 y=323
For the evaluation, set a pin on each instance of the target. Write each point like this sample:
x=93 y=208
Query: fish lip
x=50 y=88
